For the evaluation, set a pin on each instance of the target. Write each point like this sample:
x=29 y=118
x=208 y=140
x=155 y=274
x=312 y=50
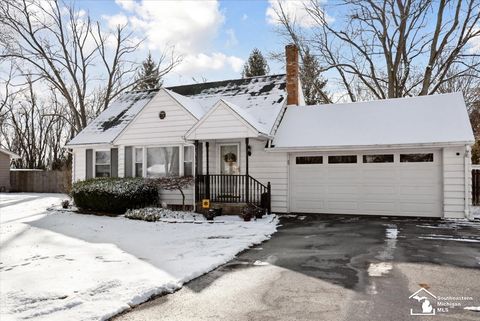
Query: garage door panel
x=310 y=206
x=378 y=207
x=343 y=189
x=372 y=190
x=419 y=209
x=342 y=205
x=413 y=189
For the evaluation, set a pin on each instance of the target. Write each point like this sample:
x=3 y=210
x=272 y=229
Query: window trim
x=342 y=163
x=134 y=161
x=417 y=162
x=181 y=157
x=311 y=156
x=182 y=170
x=363 y=158
x=94 y=160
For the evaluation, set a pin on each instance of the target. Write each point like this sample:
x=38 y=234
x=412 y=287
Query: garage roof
x=414 y=120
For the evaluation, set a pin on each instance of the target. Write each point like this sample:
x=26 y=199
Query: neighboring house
x=403 y=157
x=5 y=157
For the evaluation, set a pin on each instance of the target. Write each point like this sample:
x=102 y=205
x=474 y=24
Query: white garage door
x=403 y=183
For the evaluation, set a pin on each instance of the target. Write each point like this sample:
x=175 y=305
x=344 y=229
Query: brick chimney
x=291 y=54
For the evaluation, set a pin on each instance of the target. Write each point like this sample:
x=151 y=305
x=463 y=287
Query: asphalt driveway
x=338 y=268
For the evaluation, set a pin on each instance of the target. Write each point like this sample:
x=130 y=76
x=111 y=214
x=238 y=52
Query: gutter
x=364 y=147
x=467 y=161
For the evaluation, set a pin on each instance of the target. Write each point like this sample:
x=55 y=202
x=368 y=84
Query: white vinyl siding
x=148 y=129
x=273 y=168
x=78 y=171
x=222 y=123
x=454 y=181
x=121 y=161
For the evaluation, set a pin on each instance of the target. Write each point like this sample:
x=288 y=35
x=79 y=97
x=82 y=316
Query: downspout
x=467 y=161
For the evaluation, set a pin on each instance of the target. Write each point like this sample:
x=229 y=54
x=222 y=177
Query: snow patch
x=449 y=239
x=379 y=269
x=391 y=233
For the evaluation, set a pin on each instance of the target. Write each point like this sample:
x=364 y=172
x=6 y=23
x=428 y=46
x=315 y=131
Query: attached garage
x=400 y=183
x=394 y=157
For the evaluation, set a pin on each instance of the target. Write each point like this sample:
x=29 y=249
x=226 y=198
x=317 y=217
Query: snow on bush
x=152 y=214
x=114 y=195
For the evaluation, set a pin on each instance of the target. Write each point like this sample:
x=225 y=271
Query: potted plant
x=248 y=212
x=209 y=214
x=65 y=204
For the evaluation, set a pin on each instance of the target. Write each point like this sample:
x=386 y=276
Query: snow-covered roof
x=191 y=105
x=417 y=120
x=113 y=120
x=247 y=116
x=260 y=98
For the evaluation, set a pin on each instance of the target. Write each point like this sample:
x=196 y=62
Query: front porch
x=222 y=176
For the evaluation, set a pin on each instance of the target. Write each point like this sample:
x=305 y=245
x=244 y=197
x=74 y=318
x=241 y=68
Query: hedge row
x=114 y=195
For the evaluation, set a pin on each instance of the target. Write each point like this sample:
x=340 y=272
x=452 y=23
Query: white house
x=246 y=139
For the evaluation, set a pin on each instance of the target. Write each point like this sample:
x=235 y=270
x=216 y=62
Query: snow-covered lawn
x=65 y=266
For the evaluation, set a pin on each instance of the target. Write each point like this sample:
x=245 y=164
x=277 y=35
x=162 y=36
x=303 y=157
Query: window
x=416 y=158
x=305 y=160
x=102 y=163
x=188 y=160
x=378 y=158
x=138 y=162
x=344 y=159
x=162 y=161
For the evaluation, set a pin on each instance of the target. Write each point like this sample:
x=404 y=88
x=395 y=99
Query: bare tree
x=29 y=131
x=392 y=48
x=62 y=46
x=119 y=69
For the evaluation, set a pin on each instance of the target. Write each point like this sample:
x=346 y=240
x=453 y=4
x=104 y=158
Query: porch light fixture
x=162 y=114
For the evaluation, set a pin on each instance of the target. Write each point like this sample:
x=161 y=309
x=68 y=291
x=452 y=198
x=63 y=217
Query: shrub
x=113 y=195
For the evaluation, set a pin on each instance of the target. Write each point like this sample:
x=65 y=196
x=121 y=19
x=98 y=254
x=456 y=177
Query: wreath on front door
x=230 y=157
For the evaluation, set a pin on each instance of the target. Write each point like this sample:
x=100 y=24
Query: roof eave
x=81 y=145
x=366 y=147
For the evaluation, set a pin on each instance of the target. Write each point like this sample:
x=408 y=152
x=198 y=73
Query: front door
x=229 y=159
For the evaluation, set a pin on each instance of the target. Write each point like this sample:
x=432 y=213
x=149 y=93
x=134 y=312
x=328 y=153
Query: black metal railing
x=475 y=187
x=233 y=189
